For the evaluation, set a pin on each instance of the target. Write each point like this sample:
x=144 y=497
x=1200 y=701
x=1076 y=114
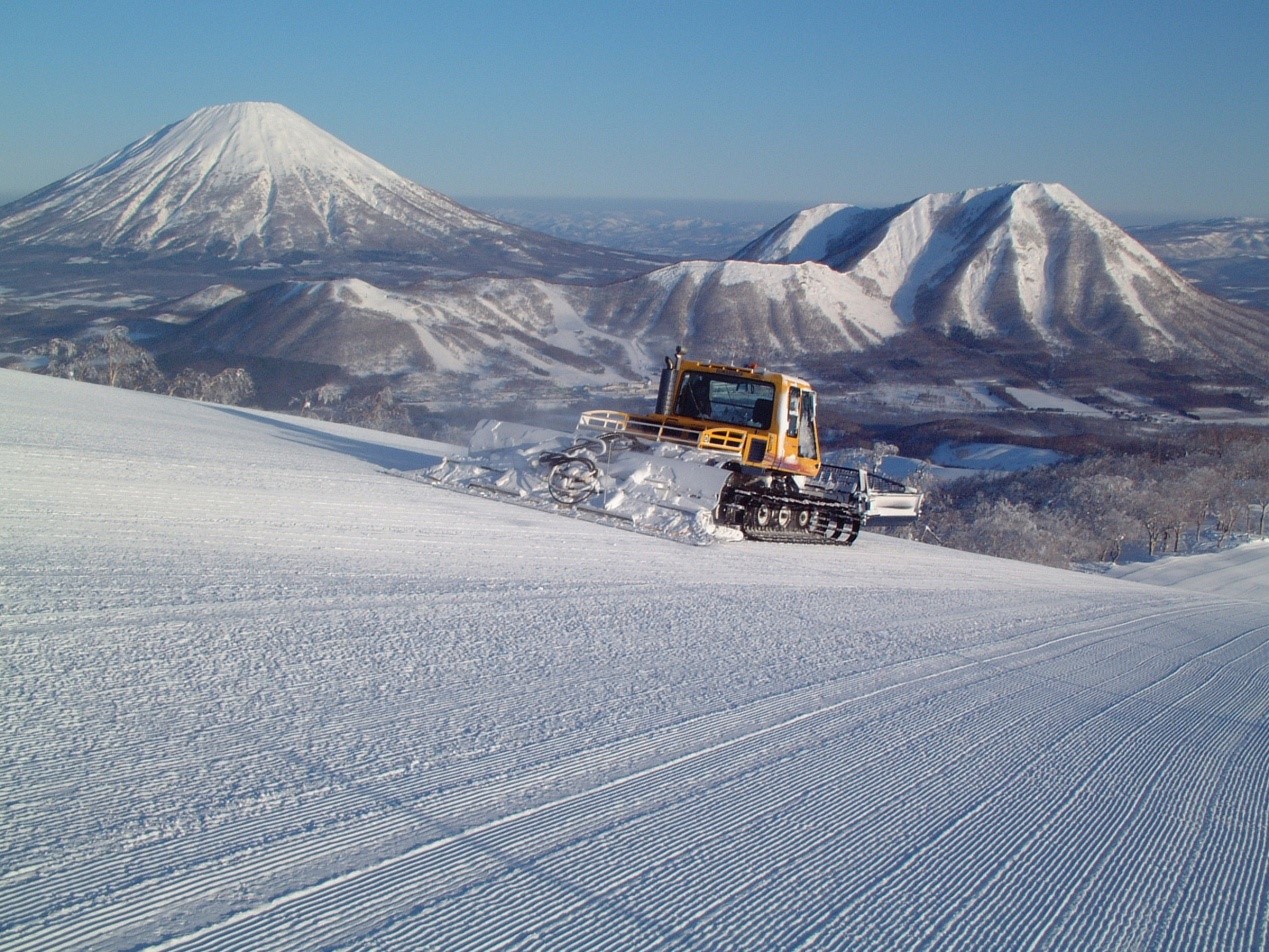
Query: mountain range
x=1226 y=257
x=1017 y=262
x=1024 y=277
x=1025 y=268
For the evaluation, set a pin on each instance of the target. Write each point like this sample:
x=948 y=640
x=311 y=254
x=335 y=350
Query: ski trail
x=257 y=694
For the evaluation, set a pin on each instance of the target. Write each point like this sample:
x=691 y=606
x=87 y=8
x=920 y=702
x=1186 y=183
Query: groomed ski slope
x=1238 y=573
x=258 y=694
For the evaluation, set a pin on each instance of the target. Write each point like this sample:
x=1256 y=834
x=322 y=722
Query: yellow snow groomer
x=729 y=452
x=760 y=426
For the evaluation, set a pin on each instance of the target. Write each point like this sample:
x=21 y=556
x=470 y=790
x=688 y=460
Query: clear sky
x=1147 y=110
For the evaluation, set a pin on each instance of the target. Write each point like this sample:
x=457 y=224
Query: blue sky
x=1148 y=111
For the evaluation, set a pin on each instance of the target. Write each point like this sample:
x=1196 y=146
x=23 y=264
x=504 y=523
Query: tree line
x=1111 y=506
x=114 y=360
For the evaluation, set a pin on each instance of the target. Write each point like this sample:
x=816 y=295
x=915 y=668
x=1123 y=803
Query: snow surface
x=1044 y=400
x=1241 y=572
x=1001 y=457
x=258 y=694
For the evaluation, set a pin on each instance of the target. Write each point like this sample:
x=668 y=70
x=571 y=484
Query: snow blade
x=652 y=488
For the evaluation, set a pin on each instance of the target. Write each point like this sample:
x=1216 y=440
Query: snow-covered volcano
x=1025 y=260
x=255 y=181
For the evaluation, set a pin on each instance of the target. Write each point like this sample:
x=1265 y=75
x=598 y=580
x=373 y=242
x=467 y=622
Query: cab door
x=802 y=442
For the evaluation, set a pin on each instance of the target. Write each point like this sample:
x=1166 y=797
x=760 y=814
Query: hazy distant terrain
x=675 y=228
x=1227 y=257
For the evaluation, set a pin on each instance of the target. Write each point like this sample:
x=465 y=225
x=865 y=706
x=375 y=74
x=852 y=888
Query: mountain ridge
x=1015 y=260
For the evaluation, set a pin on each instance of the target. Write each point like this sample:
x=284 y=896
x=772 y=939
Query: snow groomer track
x=257 y=695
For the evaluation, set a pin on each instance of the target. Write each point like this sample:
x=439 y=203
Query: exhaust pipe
x=668 y=373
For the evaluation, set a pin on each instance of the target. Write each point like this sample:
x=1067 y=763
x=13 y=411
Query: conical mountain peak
x=256 y=182
x=249 y=180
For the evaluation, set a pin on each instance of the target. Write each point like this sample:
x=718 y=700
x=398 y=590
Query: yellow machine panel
x=764 y=419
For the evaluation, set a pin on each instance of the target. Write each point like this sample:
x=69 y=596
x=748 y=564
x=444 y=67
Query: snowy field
x=1044 y=400
x=258 y=694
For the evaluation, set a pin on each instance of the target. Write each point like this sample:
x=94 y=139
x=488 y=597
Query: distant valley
x=678 y=229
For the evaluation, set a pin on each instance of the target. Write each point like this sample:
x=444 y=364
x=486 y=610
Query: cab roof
x=753 y=370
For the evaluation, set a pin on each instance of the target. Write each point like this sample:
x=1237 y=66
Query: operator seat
x=762 y=413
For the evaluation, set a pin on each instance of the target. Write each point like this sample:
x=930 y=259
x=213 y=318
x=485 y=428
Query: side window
x=806 y=427
x=795 y=403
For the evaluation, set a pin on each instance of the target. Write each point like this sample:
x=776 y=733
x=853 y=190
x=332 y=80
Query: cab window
x=801 y=422
x=806 y=427
x=722 y=399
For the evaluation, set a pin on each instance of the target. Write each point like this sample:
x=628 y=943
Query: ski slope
x=1241 y=572
x=257 y=694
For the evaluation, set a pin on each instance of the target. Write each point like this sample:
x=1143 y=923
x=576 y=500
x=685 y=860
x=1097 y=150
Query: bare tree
x=1101 y=501
x=114 y=360
x=232 y=386
x=1251 y=474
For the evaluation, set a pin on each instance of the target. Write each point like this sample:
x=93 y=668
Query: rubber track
x=817 y=531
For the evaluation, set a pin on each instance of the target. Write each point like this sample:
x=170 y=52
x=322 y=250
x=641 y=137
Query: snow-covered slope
x=742 y=310
x=811 y=234
x=499 y=331
x=494 y=330
x=1241 y=572
x=258 y=694
x=488 y=331
x=1018 y=261
x=253 y=182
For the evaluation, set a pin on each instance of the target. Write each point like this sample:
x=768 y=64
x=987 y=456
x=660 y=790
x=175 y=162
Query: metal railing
x=727 y=440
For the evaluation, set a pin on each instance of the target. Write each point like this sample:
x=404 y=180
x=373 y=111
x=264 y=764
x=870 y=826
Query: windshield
x=723 y=399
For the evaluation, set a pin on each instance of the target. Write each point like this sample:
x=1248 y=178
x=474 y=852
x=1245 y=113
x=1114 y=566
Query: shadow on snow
x=369 y=451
